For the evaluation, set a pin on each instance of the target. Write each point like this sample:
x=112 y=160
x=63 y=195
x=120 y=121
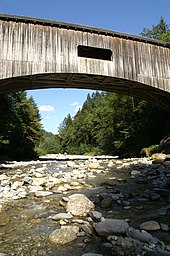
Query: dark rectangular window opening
x=94 y=53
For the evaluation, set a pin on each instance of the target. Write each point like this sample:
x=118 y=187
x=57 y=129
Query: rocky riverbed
x=85 y=206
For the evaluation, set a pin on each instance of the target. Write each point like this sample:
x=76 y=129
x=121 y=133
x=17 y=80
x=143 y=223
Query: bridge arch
x=36 y=53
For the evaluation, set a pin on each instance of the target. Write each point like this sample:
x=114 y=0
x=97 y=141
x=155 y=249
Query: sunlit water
x=25 y=224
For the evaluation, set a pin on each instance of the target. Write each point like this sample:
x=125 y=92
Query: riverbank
x=134 y=194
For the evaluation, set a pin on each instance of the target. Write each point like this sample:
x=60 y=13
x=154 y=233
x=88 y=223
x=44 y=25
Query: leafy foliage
x=161 y=31
x=112 y=124
x=20 y=127
x=49 y=144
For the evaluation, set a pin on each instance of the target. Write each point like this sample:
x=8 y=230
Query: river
x=135 y=190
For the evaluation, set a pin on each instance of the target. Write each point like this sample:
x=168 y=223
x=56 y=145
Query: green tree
x=28 y=126
x=161 y=31
x=7 y=114
x=113 y=124
x=49 y=144
x=20 y=127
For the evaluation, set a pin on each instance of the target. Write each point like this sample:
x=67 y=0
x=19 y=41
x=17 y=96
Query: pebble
x=92 y=254
x=163 y=211
x=87 y=228
x=150 y=225
x=164 y=227
x=43 y=193
x=96 y=215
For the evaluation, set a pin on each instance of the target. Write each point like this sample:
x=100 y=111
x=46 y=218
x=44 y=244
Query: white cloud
x=77 y=108
x=55 y=132
x=75 y=103
x=46 y=108
x=47 y=117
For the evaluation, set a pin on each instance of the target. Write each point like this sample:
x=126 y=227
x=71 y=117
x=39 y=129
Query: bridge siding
x=27 y=49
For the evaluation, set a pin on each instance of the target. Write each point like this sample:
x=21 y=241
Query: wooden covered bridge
x=37 y=53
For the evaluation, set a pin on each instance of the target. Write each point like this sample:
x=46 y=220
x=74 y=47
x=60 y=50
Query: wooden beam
x=105 y=81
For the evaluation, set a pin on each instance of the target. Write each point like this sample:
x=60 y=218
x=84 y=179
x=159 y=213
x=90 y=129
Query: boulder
x=79 y=205
x=63 y=236
x=111 y=227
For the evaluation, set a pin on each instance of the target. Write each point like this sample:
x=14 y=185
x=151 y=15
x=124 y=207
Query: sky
x=129 y=16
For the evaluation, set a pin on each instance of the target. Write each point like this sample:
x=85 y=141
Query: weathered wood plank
x=28 y=49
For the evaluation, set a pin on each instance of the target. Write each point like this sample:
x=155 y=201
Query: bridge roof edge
x=84 y=28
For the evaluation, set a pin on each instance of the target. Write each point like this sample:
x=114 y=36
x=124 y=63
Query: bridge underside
x=85 y=81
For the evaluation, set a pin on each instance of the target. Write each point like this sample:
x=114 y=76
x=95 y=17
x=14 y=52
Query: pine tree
x=161 y=31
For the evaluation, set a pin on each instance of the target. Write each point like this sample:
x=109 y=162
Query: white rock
x=43 y=193
x=62 y=188
x=39 y=181
x=36 y=188
x=3 y=177
x=135 y=173
x=71 y=164
x=93 y=165
x=79 y=205
x=63 y=215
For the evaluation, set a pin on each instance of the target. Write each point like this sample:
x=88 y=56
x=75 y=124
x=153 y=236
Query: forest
x=108 y=123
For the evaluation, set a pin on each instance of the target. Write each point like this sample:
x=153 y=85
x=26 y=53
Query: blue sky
x=129 y=16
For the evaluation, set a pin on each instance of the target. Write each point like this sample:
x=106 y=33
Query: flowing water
x=25 y=224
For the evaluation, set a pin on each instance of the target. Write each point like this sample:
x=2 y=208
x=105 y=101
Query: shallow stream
x=25 y=224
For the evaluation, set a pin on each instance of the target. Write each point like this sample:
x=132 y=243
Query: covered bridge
x=37 y=53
